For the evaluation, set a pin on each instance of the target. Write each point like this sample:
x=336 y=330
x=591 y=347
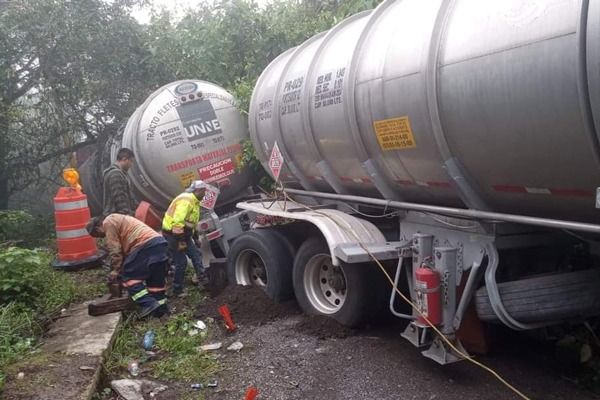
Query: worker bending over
x=179 y=226
x=138 y=257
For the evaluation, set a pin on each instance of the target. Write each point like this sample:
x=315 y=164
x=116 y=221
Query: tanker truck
x=185 y=130
x=453 y=145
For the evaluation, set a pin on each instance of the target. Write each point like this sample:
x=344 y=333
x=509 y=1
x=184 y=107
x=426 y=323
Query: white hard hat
x=196 y=185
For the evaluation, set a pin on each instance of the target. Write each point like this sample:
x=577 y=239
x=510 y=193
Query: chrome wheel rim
x=250 y=269
x=325 y=284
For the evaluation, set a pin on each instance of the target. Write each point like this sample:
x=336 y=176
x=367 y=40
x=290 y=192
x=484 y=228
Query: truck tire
x=343 y=293
x=262 y=258
x=549 y=298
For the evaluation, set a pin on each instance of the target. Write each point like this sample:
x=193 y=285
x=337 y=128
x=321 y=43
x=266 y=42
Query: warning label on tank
x=217 y=171
x=199 y=120
x=394 y=134
x=186 y=179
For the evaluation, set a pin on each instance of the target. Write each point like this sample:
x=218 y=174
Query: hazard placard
x=394 y=134
x=186 y=179
x=276 y=161
x=210 y=197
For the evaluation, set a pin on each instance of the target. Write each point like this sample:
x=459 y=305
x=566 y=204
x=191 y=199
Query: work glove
x=113 y=276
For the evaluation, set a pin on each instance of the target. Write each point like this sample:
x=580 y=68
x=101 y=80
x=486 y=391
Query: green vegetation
x=19 y=228
x=249 y=160
x=74 y=71
x=176 y=347
x=32 y=293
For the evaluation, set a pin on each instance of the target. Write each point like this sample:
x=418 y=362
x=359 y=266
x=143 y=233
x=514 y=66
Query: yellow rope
x=408 y=301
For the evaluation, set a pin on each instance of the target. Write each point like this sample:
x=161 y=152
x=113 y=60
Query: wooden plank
x=107 y=305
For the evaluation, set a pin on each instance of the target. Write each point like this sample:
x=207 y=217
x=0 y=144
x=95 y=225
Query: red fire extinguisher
x=429 y=301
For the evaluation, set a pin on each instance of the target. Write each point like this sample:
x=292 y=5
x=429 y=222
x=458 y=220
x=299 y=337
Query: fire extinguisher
x=429 y=300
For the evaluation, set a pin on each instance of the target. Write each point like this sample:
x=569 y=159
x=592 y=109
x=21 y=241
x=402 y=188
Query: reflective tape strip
x=70 y=205
x=139 y=295
x=162 y=302
x=215 y=234
x=156 y=289
x=131 y=282
x=544 y=191
x=534 y=190
x=434 y=184
x=71 y=234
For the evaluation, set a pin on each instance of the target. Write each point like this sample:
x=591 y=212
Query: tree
x=230 y=42
x=72 y=71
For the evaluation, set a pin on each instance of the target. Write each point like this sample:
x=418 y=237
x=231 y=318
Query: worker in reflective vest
x=179 y=226
x=138 y=257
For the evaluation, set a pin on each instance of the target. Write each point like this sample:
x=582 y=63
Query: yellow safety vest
x=183 y=212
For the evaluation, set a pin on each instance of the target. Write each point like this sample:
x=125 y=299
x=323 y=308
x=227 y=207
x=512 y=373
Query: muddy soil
x=57 y=376
x=289 y=356
x=248 y=305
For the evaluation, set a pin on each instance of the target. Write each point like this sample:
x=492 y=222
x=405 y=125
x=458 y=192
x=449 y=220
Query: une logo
x=202 y=128
x=185 y=88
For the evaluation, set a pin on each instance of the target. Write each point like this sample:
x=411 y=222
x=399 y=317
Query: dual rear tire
x=348 y=293
x=263 y=258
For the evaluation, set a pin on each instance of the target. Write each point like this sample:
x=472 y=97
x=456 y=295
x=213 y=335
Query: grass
x=178 y=357
x=23 y=323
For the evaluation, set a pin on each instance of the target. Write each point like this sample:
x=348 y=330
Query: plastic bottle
x=148 y=340
x=134 y=368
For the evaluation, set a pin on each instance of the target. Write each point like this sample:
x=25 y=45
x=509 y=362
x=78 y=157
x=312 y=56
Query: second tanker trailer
x=453 y=145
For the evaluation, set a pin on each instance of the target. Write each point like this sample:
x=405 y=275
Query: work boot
x=161 y=311
x=149 y=309
x=202 y=278
x=175 y=292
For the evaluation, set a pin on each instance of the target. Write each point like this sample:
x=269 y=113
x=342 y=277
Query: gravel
x=289 y=356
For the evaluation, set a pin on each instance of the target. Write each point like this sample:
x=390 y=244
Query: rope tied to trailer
x=286 y=197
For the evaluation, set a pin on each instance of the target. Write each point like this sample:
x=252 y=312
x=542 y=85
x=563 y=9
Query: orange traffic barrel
x=76 y=249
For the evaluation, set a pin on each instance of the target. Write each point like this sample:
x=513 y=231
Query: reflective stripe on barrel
x=70 y=205
x=71 y=233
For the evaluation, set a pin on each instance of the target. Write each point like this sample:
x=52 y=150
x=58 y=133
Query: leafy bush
x=31 y=293
x=26 y=278
x=249 y=160
x=21 y=228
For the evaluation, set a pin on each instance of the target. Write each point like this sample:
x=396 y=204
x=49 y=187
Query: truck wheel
x=262 y=258
x=342 y=293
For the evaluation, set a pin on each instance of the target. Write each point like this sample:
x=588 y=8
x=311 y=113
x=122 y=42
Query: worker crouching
x=138 y=257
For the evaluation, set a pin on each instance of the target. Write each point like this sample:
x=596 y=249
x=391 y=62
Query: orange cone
x=226 y=314
x=251 y=393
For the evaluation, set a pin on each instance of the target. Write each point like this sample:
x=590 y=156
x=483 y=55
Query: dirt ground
x=290 y=356
x=56 y=376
